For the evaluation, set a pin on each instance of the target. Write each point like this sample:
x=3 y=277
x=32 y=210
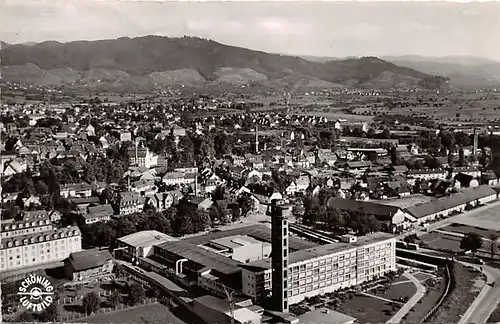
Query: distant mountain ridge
x=462 y=70
x=467 y=71
x=156 y=60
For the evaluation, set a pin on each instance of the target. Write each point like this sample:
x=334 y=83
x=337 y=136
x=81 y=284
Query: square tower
x=279 y=257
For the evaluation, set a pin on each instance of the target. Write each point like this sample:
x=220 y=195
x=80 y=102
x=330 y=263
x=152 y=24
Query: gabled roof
x=385 y=212
x=441 y=204
x=89 y=259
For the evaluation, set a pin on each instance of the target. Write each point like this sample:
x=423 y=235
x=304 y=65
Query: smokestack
x=475 y=141
x=256 y=136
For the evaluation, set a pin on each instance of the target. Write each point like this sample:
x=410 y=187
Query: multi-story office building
x=325 y=268
x=39 y=247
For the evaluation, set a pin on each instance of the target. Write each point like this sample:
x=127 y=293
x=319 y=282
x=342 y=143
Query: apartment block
x=38 y=248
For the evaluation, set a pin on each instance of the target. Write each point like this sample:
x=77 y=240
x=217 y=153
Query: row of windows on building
x=38 y=239
x=15 y=226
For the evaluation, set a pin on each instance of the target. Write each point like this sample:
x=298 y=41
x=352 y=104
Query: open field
x=451 y=244
x=369 y=309
x=468 y=285
x=451 y=109
x=486 y=218
x=464 y=229
x=151 y=314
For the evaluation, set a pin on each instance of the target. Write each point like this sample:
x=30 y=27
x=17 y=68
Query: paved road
x=412 y=302
x=487 y=300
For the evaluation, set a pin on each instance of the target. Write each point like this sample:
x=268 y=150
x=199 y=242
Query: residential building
x=142 y=157
x=76 y=190
x=98 y=213
x=130 y=202
x=26 y=226
x=38 y=248
x=178 y=178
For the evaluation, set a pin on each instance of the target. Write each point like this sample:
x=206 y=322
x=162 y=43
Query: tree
x=493 y=245
x=50 y=314
x=115 y=298
x=246 y=203
x=461 y=158
x=236 y=214
x=26 y=317
x=91 y=302
x=471 y=242
x=41 y=188
x=394 y=156
x=136 y=293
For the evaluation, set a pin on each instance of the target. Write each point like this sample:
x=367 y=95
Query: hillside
x=189 y=60
x=462 y=71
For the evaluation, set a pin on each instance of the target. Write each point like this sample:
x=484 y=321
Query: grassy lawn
x=368 y=309
x=401 y=279
x=468 y=286
x=422 y=276
x=402 y=290
x=151 y=314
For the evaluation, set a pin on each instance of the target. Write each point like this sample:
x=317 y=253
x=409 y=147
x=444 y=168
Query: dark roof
x=441 y=204
x=194 y=253
x=380 y=211
x=89 y=259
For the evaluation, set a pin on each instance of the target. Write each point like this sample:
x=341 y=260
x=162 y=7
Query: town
x=249 y=162
x=228 y=212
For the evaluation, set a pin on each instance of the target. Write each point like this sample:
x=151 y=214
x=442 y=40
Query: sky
x=328 y=29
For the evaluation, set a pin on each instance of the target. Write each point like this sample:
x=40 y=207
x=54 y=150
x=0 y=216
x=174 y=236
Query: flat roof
x=146 y=238
x=259 y=231
x=236 y=241
x=325 y=315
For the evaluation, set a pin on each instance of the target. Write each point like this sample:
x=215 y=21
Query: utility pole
x=231 y=302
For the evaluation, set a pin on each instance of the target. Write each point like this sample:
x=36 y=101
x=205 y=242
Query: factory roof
x=260 y=232
x=207 y=258
x=325 y=315
x=146 y=238
x=441 y=204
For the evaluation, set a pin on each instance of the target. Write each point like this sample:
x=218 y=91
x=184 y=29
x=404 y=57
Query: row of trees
x=173 y=221
x=319 y=215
